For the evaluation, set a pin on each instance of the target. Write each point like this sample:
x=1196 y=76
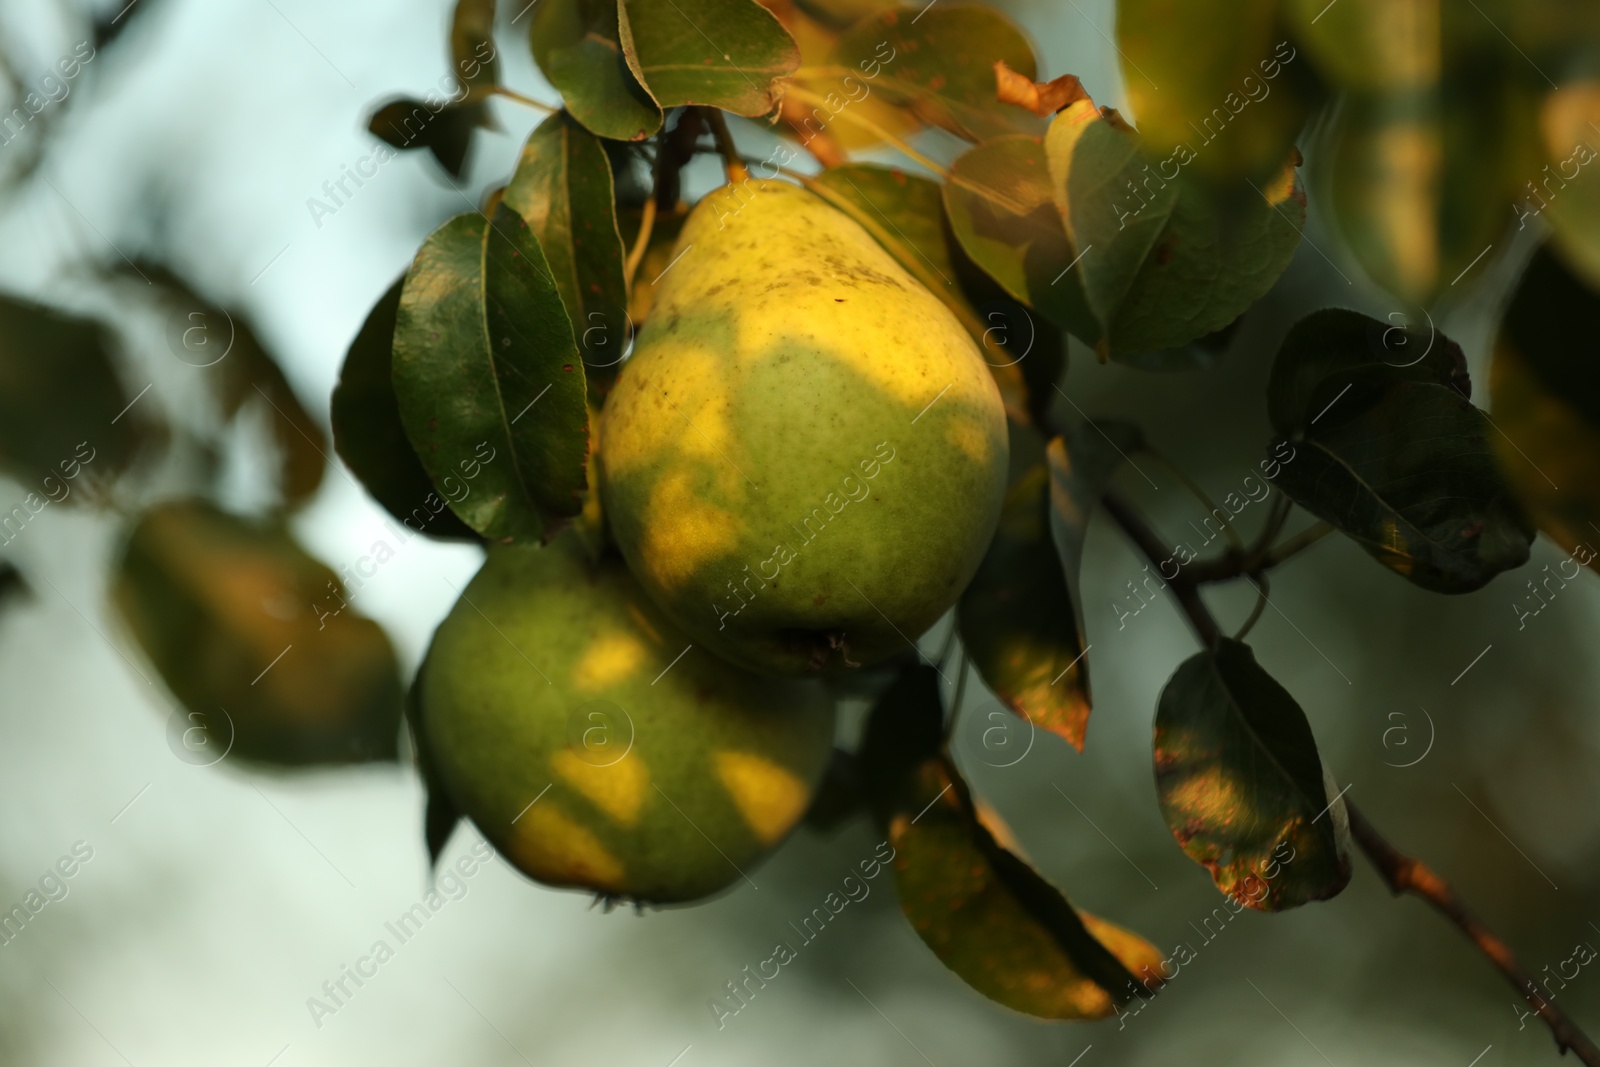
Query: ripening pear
x=565 y=718
x=804 y=460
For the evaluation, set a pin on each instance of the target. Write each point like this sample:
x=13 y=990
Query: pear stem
x=647 y=222
x=528 y=101
x=872 y=128
x=732 y=165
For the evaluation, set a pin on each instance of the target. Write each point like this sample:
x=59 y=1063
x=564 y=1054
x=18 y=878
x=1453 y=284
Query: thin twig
x=1406 y=875
x=1200 y=495
x=647 y=222
x=732 y=165
x=1183 y=587
x=1302 y=540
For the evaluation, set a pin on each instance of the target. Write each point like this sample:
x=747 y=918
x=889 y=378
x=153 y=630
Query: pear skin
x=804 y=460
x=567 y=720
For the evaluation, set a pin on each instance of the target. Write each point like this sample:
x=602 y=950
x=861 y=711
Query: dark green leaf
x=938 y=64
x=1545 y=388
x=1242 y=787
x=1002 y=212
x=1214 y=80
x=576 y=46
x=63 y=411
x=445 y=130
x=370 y=437
x=562 y=188
x=440 y=815
x=1394 y=456
x=721 y=53
x=988 y=916
x=472 y=47
x=237 y=617
x=1166 y=260
x=1017 y=618
x=485 y=368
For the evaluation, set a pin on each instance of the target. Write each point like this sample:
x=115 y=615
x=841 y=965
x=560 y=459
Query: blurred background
x=218 y=899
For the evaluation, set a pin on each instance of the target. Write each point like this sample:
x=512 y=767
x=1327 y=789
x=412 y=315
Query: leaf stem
x=528 y=101
x=1300 y=541
x=1183 y=586
x=873 y=128
x=1403 y=874
x=1199 y=494
x=647 y=223
x=732 y=164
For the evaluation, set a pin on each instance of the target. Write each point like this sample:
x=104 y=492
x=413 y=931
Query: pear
x=563 y=714
x=804 y=459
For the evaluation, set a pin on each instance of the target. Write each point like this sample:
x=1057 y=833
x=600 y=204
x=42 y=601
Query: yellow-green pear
x=565 y=718
x=804 y=460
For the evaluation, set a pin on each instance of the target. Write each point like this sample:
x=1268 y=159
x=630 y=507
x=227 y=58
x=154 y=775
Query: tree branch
x=1406 y=875
x=1400 y=872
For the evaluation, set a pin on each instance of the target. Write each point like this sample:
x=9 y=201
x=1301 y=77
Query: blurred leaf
x=1002 y=212
x=1239 y=780
x=62 y=406
x=1391 y=452
x=576 y=45
x=446 y=131
x=673 y=55
x=238 y=617
x=937 y=64
x=1545 y=389
x=1165 y=261
x=1371 y=46
x=838 y=797
x=562 y=188
x=905 y=214
x=1203 y=80
x=472 y=47
x=370 y=437
x=251 y=375
x=988 y=916
x=480 y=338
x=1020 y=620
x=440 y=815
x=1570 y=122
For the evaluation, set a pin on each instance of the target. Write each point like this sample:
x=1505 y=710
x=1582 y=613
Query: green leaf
x=1017 y=618
x=1545 y=389
x=472 y=47
x=563 y=189
x=576 y=45
x=1096 y=171
x=938 y=64
x=486 y=369
x=236 y=616
x=368 y=433
x=1003 y=213
x=446 y=131
x=1392 y=452
x=1215 y=80
x=63 y=410
x=990 y=917
x=721 y=53
x=1166 y=260
x=440 y=816
x=1242 y=787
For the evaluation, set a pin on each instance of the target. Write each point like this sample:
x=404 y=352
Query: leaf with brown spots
x=1242 y=787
